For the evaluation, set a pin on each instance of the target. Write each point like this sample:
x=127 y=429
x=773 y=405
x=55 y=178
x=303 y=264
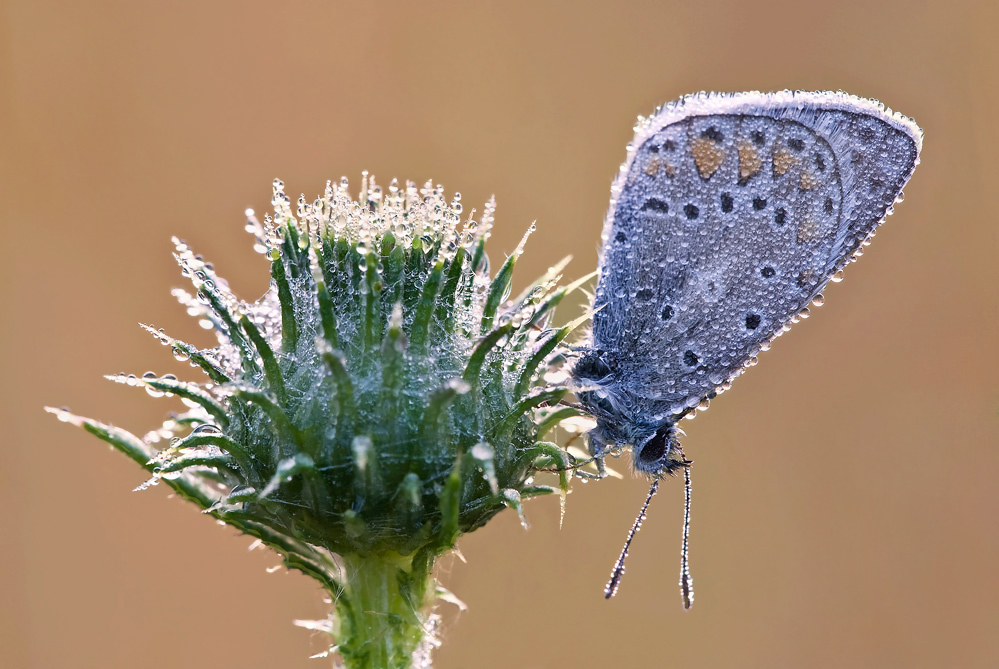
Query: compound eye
x=655 y=449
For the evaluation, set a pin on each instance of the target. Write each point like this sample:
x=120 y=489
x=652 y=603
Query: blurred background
x=845 y=493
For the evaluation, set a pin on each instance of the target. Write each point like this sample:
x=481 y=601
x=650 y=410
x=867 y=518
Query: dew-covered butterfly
x=729 y=216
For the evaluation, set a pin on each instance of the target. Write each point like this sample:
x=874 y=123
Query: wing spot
x=620 y=237
x=652 y=166
x=808 y=230
x=752 y=321
x=691 y=212
x=749 y=161
x=726 y=203
x=768 y=272
x=645 y=294
x=796 y=144
x=669 y=145
x=708 y=156
x=667 y=313
x=828 y=206
x=780 y=216
x=759 y=203
x=820 y=164
x=759 y=139
x=783 y=162
x=807 y=180
x=713 y=134
x=656 y=205
x=690 y=358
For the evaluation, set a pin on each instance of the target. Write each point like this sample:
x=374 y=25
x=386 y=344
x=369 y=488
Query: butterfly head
x=655 y=446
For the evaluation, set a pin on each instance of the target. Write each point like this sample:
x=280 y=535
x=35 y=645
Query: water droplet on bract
x=273 y=255
x=153 y=392
x=278 y=185
x=180 y=355
x=149 y=375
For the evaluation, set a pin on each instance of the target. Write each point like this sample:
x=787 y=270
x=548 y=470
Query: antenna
x=686 y=583
x=615 y=580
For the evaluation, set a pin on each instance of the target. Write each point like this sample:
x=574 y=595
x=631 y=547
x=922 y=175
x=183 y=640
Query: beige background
x=845 y=492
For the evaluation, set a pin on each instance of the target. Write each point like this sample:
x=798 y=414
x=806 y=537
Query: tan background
x=845 y=493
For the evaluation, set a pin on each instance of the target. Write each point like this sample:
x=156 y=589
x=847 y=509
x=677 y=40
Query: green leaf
x=326 y=316
x=289 y=326
x=498 y=291
x=271 y=368
x=478 y=357
x=421 y=321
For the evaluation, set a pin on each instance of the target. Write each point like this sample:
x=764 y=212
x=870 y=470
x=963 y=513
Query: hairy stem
x=388 y=611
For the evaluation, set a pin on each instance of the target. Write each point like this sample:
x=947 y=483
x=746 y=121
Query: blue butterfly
x=728 y=218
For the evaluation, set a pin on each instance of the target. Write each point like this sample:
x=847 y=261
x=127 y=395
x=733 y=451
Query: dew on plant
x=382 y=398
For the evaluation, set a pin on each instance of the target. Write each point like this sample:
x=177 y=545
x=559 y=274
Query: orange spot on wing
x=708 y=156
x=652 y=167
x=807 y=181
x=783 y=162
x=749 y=160
x=808 y=230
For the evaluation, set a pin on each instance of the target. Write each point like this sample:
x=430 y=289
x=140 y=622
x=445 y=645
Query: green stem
x=389 y=597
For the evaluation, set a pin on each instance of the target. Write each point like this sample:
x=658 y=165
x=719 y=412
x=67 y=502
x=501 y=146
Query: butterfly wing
x=728 y=217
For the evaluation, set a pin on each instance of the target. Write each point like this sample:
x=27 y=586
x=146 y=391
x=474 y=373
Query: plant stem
x=385 y=619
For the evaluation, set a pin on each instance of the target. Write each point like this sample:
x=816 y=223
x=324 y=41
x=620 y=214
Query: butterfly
x=728 y=218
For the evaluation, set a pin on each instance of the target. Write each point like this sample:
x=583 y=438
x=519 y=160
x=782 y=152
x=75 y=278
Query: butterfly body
x=729 y=216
